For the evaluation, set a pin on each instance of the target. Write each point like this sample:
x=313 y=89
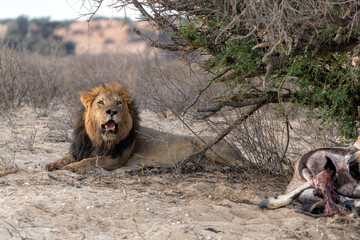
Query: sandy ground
x=137 y=204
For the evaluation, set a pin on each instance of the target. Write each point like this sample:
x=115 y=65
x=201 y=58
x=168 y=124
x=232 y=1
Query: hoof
x=349 y=204
x=351 y=159
x=264 y=203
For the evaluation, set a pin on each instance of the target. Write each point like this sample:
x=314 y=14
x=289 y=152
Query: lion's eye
x=100 y=102
x=118 y=103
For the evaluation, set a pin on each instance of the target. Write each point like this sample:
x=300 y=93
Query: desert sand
x=138 y=203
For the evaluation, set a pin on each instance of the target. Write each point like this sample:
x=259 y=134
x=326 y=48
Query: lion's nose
x=111 y=112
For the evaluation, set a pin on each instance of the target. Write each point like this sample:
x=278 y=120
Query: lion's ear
x=86 y=99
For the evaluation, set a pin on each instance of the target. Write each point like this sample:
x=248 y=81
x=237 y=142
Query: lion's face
x=109 y=110
x=108 y=119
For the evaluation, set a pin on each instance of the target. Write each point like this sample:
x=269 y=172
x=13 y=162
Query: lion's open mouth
x=109 y=128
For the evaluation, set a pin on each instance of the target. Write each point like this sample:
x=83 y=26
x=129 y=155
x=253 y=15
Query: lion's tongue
x=110 y=126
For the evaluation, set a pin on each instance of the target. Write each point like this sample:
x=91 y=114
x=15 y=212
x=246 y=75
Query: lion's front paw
x=52 y=166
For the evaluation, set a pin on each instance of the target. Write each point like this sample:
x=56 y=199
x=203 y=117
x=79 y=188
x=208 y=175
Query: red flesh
x=323 y=184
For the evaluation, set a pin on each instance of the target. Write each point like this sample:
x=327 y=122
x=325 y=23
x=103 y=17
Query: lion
x=107 y=134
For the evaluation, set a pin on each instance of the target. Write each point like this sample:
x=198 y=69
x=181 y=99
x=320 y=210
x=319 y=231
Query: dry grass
x=49 y=82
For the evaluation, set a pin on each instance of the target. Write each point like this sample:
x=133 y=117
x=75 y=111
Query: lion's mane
x=82 y=146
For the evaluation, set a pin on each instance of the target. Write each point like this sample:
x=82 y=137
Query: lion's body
x=154 y=147
x=107 y=134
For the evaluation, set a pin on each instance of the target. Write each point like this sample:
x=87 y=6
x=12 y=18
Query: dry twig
x=9 y=171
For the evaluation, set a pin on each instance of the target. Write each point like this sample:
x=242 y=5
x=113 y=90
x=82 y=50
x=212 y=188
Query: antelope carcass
x=326 y=177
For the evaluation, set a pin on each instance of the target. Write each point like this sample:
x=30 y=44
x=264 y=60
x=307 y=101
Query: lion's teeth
x=110 y=126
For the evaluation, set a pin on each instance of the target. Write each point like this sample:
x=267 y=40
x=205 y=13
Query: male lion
x=107 y=134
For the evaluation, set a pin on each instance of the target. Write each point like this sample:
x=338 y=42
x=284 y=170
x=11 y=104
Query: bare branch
x=93 y=13
x=212 y=109
x=143 y=11
x=163 y=23
x=231 y=104
x=269 y=69
x=343 y=47
x=343 y=22
x=269 y=97
x=205 y=88
x=245 y=103
x=226 y=28
x=172 y=48
x=243 y=37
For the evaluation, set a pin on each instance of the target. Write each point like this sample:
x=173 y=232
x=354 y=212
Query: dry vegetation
x=163 y=84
